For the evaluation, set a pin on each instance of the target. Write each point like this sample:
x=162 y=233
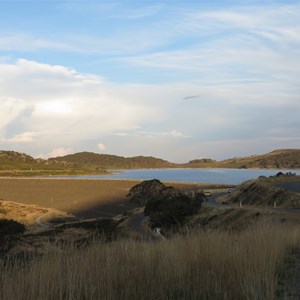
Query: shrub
x=172 y=210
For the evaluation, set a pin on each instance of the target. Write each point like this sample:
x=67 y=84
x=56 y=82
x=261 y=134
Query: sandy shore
x=81 y=197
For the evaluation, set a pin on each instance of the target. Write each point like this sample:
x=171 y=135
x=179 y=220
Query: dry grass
x=200 y=265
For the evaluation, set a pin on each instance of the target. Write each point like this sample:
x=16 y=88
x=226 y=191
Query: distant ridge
x=87 y=163
x=277 y=159
x=14 y=163
x=113 y=161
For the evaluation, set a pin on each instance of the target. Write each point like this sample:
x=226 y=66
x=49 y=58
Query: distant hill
x=20 y=164
x=278 y=159
x=112 y=161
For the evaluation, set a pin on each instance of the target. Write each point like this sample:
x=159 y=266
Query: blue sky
x=173 y=79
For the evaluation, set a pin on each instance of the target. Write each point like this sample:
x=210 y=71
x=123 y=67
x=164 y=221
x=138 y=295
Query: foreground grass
x=200 y=265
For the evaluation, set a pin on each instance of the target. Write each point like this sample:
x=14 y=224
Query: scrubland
x=199 y=264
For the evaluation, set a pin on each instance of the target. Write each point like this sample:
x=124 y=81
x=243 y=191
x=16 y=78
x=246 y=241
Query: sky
x=178 y=80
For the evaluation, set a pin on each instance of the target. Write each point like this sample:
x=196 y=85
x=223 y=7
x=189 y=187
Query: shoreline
x=113 y=179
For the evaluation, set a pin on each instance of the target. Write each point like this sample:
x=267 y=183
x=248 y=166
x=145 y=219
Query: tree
x=171 y=210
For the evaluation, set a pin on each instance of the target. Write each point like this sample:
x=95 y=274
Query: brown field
x=85 y=198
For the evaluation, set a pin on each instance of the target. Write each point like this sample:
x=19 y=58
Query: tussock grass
x=199 y=265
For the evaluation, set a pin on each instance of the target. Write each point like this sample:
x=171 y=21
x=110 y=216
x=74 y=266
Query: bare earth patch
x=32 y=216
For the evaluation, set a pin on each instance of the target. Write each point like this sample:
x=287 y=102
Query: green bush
x=171 y=211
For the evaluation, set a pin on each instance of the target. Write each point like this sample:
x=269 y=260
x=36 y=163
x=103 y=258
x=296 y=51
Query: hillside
x=263 y=192
x=113 y=161
x=278 y=159
x=20 y=164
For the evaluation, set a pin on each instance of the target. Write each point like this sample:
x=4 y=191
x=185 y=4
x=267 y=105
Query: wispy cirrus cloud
x=17 y=41
x=251 y=42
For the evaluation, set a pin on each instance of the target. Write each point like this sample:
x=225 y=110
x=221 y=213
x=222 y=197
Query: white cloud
x=24 y=137
x=101 y=147
x=61 y=151
x=56 y=106
x=173 y=133
x=10 y=108
x=62 y=106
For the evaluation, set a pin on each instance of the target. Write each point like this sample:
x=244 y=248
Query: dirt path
x=136 y=225
x=39 y=222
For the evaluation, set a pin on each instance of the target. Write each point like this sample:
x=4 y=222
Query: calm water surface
x=226 y=176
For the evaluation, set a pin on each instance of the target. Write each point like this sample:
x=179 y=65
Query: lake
x=226 y=176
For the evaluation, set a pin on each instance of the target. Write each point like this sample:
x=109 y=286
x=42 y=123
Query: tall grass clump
x=199 y=265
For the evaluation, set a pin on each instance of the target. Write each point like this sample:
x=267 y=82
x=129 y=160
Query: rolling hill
x=112 y=161
x=278 y=159
x=19 y=164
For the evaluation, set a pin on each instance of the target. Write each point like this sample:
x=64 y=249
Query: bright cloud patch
x=55 y=107
x=101 y=147
x=61 y=151
x=60 y=105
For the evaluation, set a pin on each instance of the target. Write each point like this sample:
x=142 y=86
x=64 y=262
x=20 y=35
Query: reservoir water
x=226 y=176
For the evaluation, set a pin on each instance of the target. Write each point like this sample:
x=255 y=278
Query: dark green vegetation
x=167 y=207
x=171 y=211
x=10 y=231
x=19 y=164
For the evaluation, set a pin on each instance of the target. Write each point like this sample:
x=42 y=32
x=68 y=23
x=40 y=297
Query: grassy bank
x=210 y=264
